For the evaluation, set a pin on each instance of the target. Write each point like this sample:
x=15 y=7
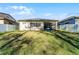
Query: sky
x=56 y=11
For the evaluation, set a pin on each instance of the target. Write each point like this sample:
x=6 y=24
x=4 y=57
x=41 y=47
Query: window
x=35 y=24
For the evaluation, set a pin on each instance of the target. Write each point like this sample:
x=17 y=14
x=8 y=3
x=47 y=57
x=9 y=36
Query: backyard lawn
x=39 y=43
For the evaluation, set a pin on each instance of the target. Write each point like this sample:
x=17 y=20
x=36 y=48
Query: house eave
x=37 y=20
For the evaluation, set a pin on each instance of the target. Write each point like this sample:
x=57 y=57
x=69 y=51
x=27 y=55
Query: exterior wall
x=6 y=27
x=26 y=26
x=37 y=28
x=6 y=21
x=1 y=21
x=54 y=25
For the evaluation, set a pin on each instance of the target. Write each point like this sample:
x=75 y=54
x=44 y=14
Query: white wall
x=1 y=21
x=54 y=25
x=26 y=26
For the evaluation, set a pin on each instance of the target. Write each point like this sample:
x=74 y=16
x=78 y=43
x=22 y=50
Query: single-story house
x=38 y=24
x=7 y=23
x=70 y=24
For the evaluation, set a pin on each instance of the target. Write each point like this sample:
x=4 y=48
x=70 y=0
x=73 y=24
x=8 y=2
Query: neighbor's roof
x=6 y=16
x=71 y=17
x=37 y=20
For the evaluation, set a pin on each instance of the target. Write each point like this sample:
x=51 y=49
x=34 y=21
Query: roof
x=37 y=20
x=71 y=17
x=6 y=16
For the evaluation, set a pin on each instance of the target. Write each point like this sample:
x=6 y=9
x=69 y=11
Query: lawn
x=39 y=43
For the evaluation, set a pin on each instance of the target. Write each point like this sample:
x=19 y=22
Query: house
x=7 y=23
x=70 y=24
x=38 y=24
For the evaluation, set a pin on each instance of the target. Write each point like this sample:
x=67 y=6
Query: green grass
x=39 y=43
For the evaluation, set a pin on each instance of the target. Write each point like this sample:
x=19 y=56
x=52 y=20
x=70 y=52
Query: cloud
x=20 y=8
x=25 y=13
x=55 y=16
x=22 y=11
x=22 y=15
x=73 y=14
x=60 y=16
x=48 y=14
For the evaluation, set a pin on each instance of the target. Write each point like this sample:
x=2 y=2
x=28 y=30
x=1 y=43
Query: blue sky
x=56 y=11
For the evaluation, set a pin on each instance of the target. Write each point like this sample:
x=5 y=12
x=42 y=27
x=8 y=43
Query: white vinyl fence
x=6 y=27
x=70 y=27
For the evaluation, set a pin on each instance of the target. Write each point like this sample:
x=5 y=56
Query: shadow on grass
x=65 y=38
x=15 y=38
